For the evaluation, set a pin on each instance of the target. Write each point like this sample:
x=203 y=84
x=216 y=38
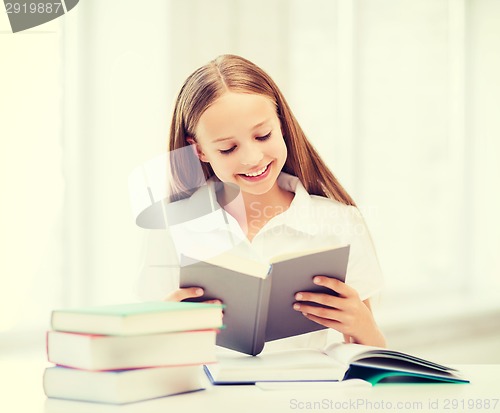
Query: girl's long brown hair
x=236 y=74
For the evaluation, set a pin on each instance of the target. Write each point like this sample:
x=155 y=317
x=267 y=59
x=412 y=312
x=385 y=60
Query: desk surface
x=21 y=383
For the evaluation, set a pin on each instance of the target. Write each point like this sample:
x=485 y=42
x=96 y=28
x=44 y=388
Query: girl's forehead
x=234 y=113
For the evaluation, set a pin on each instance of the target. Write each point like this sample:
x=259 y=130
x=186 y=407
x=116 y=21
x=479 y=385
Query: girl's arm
x=345 y=313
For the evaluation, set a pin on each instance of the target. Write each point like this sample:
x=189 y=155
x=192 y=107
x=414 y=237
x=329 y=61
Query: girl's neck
x=253 y=211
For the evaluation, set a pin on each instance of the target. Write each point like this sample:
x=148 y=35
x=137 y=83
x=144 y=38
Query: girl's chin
x=257 y=190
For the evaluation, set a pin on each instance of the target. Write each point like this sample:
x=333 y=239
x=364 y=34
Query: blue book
x=138 y=318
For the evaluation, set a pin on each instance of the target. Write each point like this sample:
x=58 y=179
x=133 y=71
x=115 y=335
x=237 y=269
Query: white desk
x=21 y=384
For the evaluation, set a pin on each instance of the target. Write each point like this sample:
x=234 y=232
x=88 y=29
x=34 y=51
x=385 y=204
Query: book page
x=347 y=353
x=283 y=360
x=294 y=364
x=240 y=264
x=302 y=253
x=382 y=358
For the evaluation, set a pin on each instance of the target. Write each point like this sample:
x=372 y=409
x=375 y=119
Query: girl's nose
x=251 y=156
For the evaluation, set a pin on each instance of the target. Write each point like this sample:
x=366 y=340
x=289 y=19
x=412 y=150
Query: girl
x=236 y=120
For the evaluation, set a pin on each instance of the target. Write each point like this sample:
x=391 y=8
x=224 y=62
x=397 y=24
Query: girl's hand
x=345 y=313
x=191 y=292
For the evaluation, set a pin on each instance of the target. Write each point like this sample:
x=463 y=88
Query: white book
x=100 y=352
x=337 y=362
x=123 y=386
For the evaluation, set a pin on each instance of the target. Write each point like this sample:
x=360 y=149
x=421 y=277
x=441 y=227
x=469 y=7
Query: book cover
x=138 y=318
x=259 y=305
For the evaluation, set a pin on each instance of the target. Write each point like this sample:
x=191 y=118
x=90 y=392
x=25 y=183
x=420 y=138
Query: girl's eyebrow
x=221 y=139
x=258 y=125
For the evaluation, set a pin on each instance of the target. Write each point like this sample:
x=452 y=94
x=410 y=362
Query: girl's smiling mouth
x=257 y=175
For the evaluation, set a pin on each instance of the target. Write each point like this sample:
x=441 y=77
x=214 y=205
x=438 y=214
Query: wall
x=400 y=98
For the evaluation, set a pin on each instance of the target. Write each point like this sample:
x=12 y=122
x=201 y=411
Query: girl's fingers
x=336 y=325
x=320 y=298
x=338 y=286
x=322 y=312
x=184 y=293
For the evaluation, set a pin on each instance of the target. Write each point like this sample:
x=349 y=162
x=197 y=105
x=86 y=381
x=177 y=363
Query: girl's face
x=240 y=136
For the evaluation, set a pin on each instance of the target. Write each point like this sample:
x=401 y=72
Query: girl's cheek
x=279 y=146
x=226 y=163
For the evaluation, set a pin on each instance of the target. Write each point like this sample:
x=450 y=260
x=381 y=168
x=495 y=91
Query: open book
x=338 y=361
x=258 y=297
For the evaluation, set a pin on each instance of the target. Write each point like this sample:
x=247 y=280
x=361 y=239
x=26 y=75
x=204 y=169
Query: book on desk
x=337 y=362
x=132 y=352
x=137 y=318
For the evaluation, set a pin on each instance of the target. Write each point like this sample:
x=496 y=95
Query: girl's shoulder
x=317 y=207
x=326 y=202
x=323 y=205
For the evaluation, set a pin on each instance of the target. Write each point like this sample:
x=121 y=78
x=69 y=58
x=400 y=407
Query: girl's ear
x=196 y=146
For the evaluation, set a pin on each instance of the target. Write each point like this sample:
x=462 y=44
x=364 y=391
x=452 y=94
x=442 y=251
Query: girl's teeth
x=258 y=172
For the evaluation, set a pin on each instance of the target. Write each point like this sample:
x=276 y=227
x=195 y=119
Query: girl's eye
x=232 y=148
x=264 y=138
x=227 y=151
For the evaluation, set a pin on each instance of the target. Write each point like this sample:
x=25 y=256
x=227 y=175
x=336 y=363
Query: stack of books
x=127 y=353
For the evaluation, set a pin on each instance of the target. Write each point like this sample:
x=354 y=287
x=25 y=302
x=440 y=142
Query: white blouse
x=310 y=222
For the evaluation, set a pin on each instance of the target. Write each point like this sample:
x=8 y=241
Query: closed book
x=100 y=352
x=123 y=386
x=138 y=318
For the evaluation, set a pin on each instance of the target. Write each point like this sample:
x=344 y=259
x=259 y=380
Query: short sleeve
x=159 y=272
x=363 y=270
